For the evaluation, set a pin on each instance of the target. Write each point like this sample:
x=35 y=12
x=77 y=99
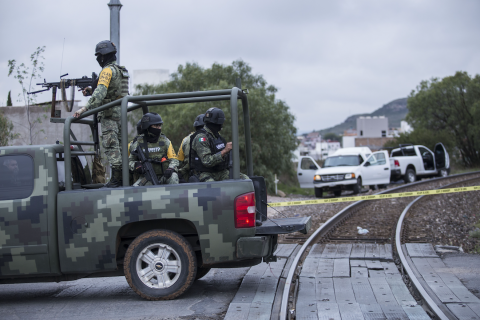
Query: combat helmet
x=199 y=121
x=105 y=47
x=214 y=115
x=149 y=119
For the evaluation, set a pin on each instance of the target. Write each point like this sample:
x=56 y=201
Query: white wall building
x=372 y=127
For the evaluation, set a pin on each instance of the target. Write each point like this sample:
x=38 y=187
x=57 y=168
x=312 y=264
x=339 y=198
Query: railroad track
x=382 y=221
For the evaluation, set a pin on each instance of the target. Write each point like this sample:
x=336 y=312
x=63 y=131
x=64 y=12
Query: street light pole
x=115 y=7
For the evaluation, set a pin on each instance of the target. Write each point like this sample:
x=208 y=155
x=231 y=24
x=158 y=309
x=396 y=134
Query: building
x=372 y=127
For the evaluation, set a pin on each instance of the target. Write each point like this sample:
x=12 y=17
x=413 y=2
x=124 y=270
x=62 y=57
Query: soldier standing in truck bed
x=184 y=150
x=112 y=85
x=209 y=152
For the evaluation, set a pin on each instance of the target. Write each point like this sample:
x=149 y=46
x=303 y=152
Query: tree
x=25 y=77
x=450 y=106
x=272 y=130
x=9 y=99
x=331 y=136
x=6 y=130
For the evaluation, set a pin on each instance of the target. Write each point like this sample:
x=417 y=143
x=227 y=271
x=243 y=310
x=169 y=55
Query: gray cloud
x=330 y=59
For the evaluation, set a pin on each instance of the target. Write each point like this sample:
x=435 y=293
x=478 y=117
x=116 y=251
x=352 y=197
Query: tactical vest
x=117 y=89
x=155 y=151
x=216 y=145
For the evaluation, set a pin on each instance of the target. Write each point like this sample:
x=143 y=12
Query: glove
x=138 y=167
x=168 y=173
x=79 y=112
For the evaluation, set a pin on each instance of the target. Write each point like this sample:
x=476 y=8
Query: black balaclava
x=215 y=127
x=103 y=60
x=153 y=134
x=198 y=128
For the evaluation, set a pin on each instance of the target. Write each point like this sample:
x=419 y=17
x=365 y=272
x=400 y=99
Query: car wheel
x=410 y=176
x=160 y=265
x=201 y=272
x=358 y=187
x=318 y=192
x=337 y=193
x=443 y=173
x=374 y=187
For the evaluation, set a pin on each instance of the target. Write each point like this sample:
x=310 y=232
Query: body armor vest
x=216 y=145
x=155 y=151
x=118 y=88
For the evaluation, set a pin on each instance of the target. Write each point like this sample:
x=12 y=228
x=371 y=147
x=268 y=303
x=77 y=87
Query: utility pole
x=115 y=7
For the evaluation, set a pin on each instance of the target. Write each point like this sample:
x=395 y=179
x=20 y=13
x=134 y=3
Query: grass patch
x=459 y=170
x=290 y=189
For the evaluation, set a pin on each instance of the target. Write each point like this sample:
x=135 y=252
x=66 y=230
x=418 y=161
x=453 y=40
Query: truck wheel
x=358 y=187
x=201 y=272
x=337 y=193
x=160 y=265
x=318 y=192
x=410 y=176
x=443 y=173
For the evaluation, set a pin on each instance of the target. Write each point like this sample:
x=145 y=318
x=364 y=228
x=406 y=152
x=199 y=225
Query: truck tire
x=318 y=192
x=443 y=173
x=410 y=176
x=160 y=265
x=337 y=193
x=358 y=187
x=201 y=272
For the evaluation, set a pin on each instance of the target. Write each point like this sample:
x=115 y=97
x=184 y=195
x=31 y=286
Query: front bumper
x=333 y=184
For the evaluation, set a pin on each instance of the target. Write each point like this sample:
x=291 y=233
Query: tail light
x=245 y=210
x=397 y=164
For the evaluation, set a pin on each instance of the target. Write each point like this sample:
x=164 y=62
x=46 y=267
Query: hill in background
x=395 y=111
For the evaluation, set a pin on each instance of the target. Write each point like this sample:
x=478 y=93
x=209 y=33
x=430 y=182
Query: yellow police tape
x=374 y=197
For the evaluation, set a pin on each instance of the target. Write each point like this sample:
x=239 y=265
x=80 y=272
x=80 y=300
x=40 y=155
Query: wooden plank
x=416 y=312
x=266 y=291
x=369 y=251
x=306 y=289
x=458 y=289
x=394 y=312
x=309 y=267
x=341 y=268
x=437 y=264
x=400 y=292
x=237 y=311
x=363 y=291
x=382 y=291
x=306 y=307
x=427 y=250
x=343 y=250
x=414 y=250
x=372 y=312
x=424 y=268
x=317 y=250
x=357 y=263
x=376 y=273
x=381 y=252
x=358 y=251
x=388 y=252
x=374 y=264
x=328 y=311
x=343 y=290
x=390 y=268
x=324 y=290
x=330 y=251
x=462 y=311
x=350 y=311
x=285 y=250
x=325 y=268
x=260 y=311
x=358 y=272
x=251 y=281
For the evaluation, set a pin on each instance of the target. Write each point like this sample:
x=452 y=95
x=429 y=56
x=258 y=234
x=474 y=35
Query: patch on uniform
x=202 y=139
x=105 y=77
x=145 y=119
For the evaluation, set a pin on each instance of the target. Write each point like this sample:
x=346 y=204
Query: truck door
x=376 y=170
x=24 y=230
x=307 y=167
x=442 y=160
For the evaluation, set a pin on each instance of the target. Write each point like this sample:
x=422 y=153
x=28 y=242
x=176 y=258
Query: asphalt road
x=112 y=298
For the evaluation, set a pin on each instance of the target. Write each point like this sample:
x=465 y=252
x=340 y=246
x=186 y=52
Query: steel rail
x=327 y=226
x=406 y=264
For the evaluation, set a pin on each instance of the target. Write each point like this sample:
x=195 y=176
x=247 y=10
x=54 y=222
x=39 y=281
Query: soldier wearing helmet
x=112 y=85
x=209 y=151
x=157 y=148
x=184 y=150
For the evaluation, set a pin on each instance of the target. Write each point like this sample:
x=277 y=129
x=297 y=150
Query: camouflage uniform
x=201 y=145
x=156 y=151
x=112 y=85
x=183 y=153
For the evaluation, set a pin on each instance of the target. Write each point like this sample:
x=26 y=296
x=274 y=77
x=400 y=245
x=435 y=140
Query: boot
x=116 y=180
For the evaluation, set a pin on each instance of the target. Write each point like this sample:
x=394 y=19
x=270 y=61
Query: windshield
x=342 y=161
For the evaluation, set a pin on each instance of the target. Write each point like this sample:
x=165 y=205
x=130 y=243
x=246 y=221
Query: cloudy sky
x=329 y=59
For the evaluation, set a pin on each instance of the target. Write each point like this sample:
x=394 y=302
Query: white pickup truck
x=346 y=169
x=410 y=162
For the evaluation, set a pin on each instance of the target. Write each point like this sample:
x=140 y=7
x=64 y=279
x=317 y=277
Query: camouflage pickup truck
x=55 y=225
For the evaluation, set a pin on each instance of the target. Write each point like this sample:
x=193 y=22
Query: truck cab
x=56 y=225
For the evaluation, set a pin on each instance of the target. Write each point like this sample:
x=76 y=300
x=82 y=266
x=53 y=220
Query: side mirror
x=313 y=167
x=367 y=164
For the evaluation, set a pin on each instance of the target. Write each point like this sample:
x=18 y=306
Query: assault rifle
x=150 y=174
x=63 y=84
